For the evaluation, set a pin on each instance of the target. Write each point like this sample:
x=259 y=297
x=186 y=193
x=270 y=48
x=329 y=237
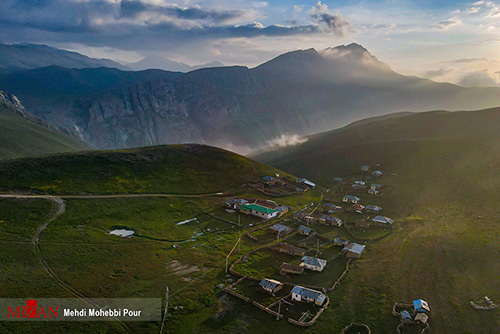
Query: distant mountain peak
x=354 y=53
x=163 y=63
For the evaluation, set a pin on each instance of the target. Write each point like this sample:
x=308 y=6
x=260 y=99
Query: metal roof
x=313 y=261
x=355 y=248
x=383 y=220
x=309 y=293
x=258 y=208
x=270 y=284
x=280 y=228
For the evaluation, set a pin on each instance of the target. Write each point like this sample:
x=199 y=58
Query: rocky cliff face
x=242 y=109
x=13 y=103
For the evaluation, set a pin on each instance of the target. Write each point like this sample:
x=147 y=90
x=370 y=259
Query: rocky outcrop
x=13 y=103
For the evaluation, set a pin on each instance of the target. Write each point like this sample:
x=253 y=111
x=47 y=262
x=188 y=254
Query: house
x=304 y=230
x=365 y=168
x=331 y=220
x=359 y=183
x=282 y=209
x=309 y=219
x=421 y=318
x=351 y=199
x=405 y=315
x=270 y=285
x=236 y=203
x=340 y=242
x=302 y=294
x=287 y=268
x=306 y=182
x=372 y=209
x=313 y=263
x=259 y=211
x=353 y=250
x=332 y=208
x=383 y=220
x=421 y=306
x=377 y=173
x=375 y=186
x=358 y=208
x=290 y=249
x=280 y=229
x=338 y=180
x=268 y=180
x=373 y=191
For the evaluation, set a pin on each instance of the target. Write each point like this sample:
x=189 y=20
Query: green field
x=443 y=169
x=176 y=169
x=20 y=137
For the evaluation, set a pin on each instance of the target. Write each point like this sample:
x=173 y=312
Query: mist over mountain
x=162 y=63
x=294 y=94
x=30 y=56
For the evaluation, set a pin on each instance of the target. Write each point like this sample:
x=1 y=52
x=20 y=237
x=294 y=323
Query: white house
x=259 y=211
x=302 y=294
x=313 y=263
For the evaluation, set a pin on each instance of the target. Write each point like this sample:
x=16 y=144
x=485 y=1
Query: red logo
x=31 y=310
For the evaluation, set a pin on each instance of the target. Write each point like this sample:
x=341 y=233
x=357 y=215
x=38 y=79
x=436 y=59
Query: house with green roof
x=259 y=211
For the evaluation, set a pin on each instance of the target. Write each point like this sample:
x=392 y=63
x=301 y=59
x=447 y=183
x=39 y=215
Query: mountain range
x=29 y=56
x=295 y=94
x=162 y=63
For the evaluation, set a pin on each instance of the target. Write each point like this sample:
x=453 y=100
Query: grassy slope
x=180 y=169
x=20 y=137
x=446 y=186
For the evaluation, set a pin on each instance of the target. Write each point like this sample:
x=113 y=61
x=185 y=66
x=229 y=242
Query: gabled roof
x=309 y=293
x=373 y=207
x=338 y=240
x=405 y=315
x=375 y=185
x=331 y=218
x=305 y=229
x=280 y=228
x=306 y=182
x=352 y=197
x=383 y=220
x=354 y=248
x=270 y=284
x=313 y=261
x=421 y=304
x=292 y=268
x=268 y=178
x=258 y=208
x=377 y=172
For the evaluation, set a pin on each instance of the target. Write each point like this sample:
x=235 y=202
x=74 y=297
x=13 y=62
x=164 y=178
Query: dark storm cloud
x=133 y=8
x=138 y=25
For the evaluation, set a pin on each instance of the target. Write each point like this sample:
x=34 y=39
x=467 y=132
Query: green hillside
x=443 y=172
x=20 y=137
x=179 y=169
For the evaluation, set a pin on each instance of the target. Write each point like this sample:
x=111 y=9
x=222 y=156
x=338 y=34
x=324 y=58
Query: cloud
x=479 y=79
x=437 y=73
x=137 y=8
x=449 y=23
x=260 y=4
x=286 y=140
x=336 y=23
x=467 y=60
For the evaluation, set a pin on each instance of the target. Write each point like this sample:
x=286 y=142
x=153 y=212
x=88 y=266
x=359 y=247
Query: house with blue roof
x=302 y=294
x=421 y=306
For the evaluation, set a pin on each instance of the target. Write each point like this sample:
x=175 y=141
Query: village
x=303 y=254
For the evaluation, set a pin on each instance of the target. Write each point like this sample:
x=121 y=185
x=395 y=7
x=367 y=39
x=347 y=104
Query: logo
x=32 y=311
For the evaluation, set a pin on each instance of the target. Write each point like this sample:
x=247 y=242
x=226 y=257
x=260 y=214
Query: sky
x=443 y=40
